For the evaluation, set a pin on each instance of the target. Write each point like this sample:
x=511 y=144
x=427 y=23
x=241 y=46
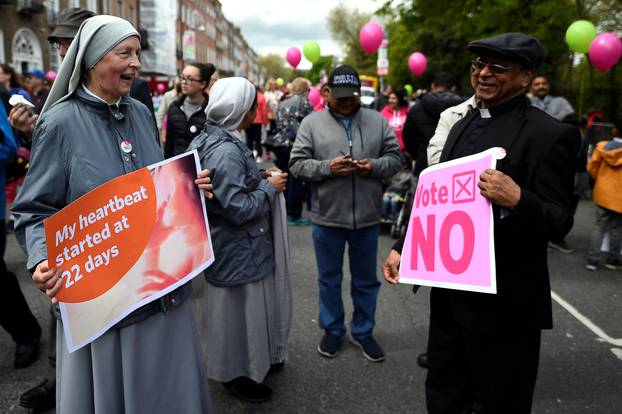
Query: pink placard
x=449 y=242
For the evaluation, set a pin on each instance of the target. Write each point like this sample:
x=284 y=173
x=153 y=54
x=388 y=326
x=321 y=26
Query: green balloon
x=311 y=50
x=579 y=35
x=409 y=88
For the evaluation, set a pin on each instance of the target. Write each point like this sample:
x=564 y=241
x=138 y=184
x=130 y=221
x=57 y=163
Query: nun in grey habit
x=248 y=309
x=151 y=361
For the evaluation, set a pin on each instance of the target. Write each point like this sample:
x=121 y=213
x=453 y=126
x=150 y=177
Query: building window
x=91 y=5
x=54 y=58
x=2 y=58
x=73 y=3
x=26 y=50
x=105 y=6
x=120 y=8
x=52 y=8
x=130 y=15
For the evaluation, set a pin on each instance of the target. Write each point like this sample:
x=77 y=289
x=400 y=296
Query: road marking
x=617 y=352
x=588 y=323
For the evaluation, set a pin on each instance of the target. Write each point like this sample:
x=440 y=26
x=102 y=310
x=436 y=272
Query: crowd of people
x=350 y=165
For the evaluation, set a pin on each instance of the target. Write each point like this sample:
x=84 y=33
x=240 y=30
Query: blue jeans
x=329 y=243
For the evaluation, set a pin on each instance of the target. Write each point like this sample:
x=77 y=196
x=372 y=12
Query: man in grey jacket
x=346 y=151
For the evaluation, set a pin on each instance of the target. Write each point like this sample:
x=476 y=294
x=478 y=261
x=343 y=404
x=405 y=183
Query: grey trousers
x=611 y=222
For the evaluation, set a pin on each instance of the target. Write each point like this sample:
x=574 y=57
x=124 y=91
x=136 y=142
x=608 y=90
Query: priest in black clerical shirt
x=489 y=344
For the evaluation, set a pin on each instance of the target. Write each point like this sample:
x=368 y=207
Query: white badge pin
x=193 y=129
x=126 y=146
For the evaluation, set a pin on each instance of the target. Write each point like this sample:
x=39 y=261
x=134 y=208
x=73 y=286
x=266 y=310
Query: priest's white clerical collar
x=95 y=96
x=484 y=113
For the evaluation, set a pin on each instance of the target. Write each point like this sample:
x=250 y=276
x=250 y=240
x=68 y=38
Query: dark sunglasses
x=477 y=65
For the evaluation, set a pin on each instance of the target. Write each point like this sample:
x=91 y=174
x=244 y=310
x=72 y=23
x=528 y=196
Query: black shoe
x=329 y=346
x=592 y=265
x=370 y=348
x=422 y=360
x=275 y=368
x=248 y=390
x=26 y=353
x=39 y=398
x=477 y=408
x=561 y=246
x=613 y=264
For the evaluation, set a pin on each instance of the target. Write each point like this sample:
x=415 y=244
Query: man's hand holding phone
x=342 y=165
x=363 y=167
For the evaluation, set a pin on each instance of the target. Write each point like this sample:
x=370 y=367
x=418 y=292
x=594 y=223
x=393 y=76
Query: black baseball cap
x=69 y=21
x=517 y=46
x=344 y=82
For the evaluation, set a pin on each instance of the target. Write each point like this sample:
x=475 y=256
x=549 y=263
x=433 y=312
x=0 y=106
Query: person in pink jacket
x=253 y=132
x=395 y=113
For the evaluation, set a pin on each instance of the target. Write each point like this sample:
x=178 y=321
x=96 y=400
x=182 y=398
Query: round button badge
x=126 y=146
x=193 y=129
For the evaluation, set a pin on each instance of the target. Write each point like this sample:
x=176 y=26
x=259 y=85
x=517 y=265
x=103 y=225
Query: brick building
x=27 y=24
x=174 y=32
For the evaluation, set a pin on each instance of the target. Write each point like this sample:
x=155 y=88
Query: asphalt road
x=581 y=358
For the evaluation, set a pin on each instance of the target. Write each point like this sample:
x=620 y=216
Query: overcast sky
x=276 y=25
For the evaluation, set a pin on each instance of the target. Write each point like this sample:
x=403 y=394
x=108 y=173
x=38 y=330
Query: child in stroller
x=393 y=196
x=397 y=199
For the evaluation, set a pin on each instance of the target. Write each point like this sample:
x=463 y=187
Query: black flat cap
x=518 y=46
x=69 y=21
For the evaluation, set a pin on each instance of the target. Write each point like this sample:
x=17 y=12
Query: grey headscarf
x=229 y=100
x=96 y=37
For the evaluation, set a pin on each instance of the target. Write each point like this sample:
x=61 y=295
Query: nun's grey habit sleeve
x=44 y=190
x=228 y=173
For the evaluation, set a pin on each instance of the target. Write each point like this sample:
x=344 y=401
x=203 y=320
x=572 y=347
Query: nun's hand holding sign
x=205 y=184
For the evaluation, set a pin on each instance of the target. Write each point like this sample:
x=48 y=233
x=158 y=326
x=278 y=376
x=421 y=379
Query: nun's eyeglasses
x=188 y=79
x=477 y=65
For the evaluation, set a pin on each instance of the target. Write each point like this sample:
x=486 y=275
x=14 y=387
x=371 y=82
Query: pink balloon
x=293 y=56
x=160 y=88
x=605 y=51
x=417 y=63
x=50 y=75
x=314 y=96
x=371 y=36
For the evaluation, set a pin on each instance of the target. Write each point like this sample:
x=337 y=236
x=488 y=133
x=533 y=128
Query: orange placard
x=99 y=237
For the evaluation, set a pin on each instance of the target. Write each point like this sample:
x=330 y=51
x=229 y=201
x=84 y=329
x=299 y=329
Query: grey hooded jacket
x=239 y=213
x=351 y=201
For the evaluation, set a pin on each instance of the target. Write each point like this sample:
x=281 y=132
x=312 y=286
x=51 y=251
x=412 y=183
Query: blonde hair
x=300 y=86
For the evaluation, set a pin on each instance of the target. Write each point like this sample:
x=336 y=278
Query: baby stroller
x=397 y=199
x=398 y=228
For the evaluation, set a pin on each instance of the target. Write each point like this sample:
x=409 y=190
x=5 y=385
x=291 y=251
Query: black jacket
x=140 y=91
x=421 y=123
x=180 y=131
x=541 y=157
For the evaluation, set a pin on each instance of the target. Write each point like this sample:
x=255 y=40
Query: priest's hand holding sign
x=499 y=188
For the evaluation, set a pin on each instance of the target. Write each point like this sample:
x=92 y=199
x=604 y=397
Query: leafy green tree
x=323 y=66
x=344 y=24
x=441 y=29
x=273 y=66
